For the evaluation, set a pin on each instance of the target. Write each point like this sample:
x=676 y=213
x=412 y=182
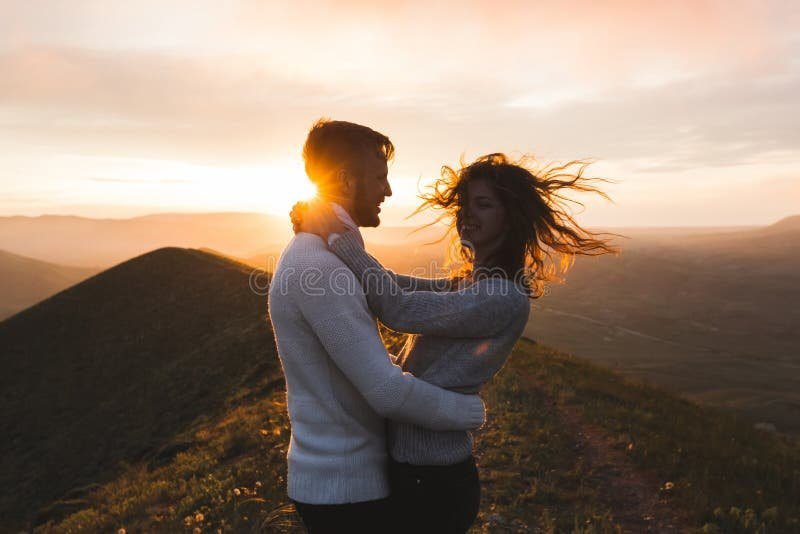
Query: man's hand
x=316 y=217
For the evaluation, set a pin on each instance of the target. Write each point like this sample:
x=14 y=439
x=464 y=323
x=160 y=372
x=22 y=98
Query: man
x=340 y=381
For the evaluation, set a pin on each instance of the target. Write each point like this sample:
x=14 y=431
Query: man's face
x=371 y=187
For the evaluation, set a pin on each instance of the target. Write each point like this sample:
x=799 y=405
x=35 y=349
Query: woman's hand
x=316 y=217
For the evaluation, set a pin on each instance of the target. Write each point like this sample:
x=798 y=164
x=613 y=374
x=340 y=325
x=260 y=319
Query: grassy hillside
x=569 y=447
x=25 y=281
x=117 y=369
x=641 y=459
x=149 y=398
x=710 y=316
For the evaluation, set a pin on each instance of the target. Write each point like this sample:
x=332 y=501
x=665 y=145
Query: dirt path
x=635 y=497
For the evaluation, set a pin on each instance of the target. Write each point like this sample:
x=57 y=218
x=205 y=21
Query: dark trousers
x=436 y=499
x=359 y=518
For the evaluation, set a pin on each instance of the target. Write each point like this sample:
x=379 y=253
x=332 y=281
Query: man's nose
x=387 y=191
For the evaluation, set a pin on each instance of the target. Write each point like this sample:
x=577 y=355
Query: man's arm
x=339 y=316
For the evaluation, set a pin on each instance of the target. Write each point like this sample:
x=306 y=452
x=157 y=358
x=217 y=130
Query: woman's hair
x=542 y=238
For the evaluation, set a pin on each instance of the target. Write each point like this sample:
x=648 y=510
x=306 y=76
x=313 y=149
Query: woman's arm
x=319 y=218
x=415 y=283
x=481 y=310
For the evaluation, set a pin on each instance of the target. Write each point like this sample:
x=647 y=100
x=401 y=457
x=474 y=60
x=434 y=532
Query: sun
x=272 y=188
x=281 y=186
x=175 y=185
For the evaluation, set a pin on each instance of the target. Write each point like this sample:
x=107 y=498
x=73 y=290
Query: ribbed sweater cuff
x=460 y=412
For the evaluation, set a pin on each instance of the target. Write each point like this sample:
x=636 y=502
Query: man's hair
x=332 y=145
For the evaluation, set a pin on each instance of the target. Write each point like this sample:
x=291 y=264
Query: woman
x=515 y=234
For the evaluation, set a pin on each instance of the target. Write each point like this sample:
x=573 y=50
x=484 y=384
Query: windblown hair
x=332 y=145
x=543 y=237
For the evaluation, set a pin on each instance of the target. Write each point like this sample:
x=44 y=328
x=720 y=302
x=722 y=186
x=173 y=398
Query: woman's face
x=483 y=218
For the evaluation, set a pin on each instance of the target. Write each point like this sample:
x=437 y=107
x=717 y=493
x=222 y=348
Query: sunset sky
x=115 y=109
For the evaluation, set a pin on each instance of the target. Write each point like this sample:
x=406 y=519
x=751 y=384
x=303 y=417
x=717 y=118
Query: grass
x=723 y=473
x=230 y=480
x=229 y=475
x=532 y=478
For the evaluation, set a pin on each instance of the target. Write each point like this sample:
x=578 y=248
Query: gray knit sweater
x=340 y=384
x=460 y=339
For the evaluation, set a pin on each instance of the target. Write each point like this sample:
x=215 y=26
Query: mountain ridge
x=131 y=359
x=25 y=281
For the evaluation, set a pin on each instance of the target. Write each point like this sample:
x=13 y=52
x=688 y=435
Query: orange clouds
x=676 y=85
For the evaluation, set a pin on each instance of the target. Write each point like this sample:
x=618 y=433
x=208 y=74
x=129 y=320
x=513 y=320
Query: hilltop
x=791 y=223
x=112 y=370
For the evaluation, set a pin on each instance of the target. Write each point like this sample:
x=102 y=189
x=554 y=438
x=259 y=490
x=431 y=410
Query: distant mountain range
x=711 y=315
x=100 y=243
x=25 y=281
x=88 y=242
x=114 y=367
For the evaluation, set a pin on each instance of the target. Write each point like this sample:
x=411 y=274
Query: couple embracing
x=381 y=442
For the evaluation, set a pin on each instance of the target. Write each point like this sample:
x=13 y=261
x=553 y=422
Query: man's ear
x=343 y=179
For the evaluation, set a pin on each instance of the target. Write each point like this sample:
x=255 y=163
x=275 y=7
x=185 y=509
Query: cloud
x=516 y=45
x=140 y=181
x=144 y=103
x=695 y=122
x=681 y=83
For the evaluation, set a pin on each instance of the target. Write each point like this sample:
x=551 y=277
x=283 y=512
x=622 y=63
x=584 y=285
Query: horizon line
x=268 y=214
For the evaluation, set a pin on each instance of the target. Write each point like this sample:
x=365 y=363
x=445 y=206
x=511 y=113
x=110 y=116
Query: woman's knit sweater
x=461 y=338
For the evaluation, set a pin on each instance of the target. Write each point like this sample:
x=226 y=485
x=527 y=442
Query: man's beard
x=363 y=209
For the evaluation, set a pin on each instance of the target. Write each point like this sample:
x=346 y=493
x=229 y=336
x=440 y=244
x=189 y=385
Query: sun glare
x=275 y=188
x=174 y=185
